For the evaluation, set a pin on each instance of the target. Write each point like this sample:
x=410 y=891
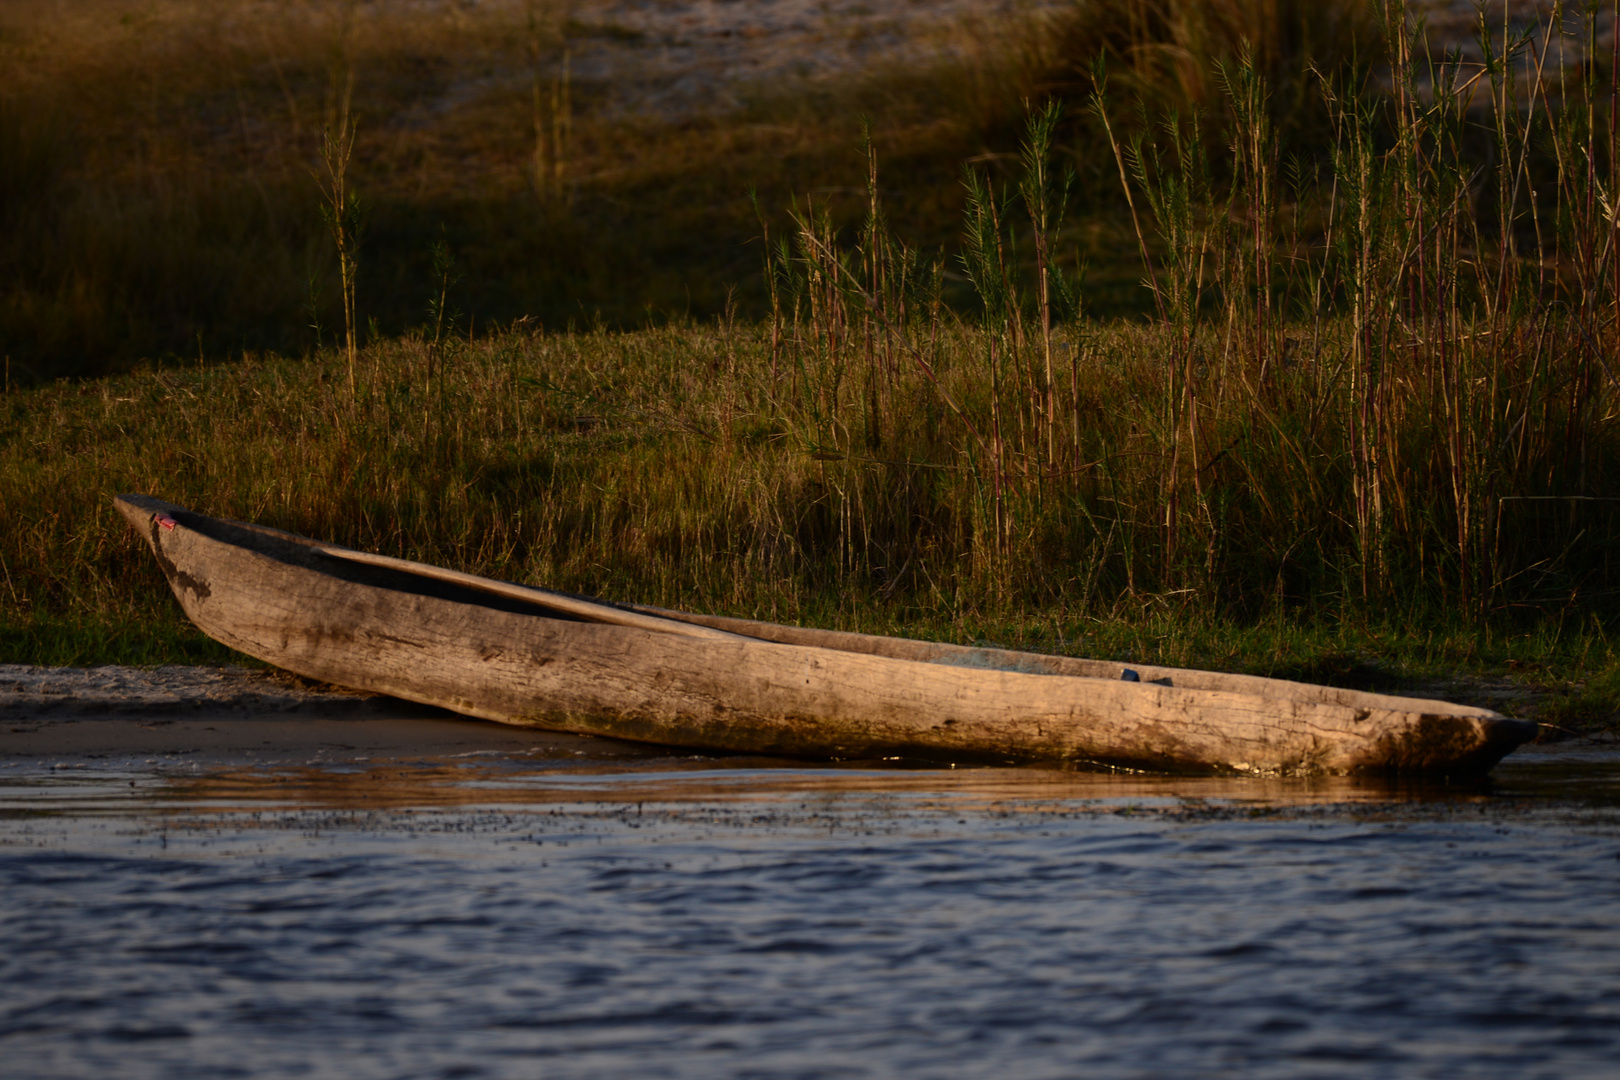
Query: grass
x=159 y=170
x=1172 y=55
x=667 y=466
x=1364 y=435
x=162 y=167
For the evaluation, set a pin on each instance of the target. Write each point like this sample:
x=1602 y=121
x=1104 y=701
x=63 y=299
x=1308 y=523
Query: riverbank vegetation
x=695 y=466
x=158 y=166
x=1364 y=431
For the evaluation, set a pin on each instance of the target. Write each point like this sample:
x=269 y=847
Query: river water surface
x=483 y=917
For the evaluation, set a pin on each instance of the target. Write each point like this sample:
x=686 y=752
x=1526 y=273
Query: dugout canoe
x=528 y=656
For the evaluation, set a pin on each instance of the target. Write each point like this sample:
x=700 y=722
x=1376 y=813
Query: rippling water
x=458 y=919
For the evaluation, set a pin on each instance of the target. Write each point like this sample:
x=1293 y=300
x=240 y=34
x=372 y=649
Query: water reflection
x=448 y=783
x=459 y=784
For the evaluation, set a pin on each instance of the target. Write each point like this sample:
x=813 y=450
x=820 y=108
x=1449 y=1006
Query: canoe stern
x=1447 y=745
x=158 y=523
x=142 y=513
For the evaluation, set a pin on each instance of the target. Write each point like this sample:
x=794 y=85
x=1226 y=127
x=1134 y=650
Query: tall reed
x=340 y=207
x=1377 y=371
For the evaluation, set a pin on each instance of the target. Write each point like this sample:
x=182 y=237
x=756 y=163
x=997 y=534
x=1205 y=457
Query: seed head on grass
x=341 y=210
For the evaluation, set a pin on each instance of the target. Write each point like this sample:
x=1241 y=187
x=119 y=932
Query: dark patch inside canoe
x=297 y=551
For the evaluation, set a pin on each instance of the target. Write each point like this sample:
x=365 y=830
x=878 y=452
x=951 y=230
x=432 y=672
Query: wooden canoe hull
x=382 y=626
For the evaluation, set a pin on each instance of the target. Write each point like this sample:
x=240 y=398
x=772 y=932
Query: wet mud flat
x=123 y=717
x=443 y=897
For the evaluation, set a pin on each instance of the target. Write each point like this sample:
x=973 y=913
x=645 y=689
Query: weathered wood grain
x=526 y=656
x=990 y=658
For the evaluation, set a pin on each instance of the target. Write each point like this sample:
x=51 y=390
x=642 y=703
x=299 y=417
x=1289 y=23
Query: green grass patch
x=95 y=638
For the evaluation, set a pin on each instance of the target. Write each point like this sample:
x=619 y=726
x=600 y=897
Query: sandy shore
x=234 y=715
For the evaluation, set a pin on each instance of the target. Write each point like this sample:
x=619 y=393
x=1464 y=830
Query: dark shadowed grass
x=157 y=172
x=158 y=165
x=1176 y=55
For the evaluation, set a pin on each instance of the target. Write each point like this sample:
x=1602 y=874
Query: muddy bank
x=235 y=715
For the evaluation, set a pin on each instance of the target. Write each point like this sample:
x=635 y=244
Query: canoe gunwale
x=327 y=558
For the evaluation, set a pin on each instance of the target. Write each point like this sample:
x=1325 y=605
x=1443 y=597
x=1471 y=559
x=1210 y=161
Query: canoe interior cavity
x=296 y=551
